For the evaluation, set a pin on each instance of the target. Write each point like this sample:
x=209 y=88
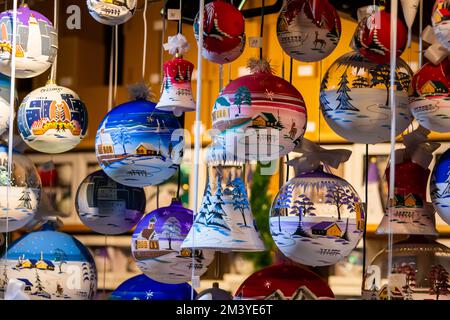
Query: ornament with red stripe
x=440 y=20
x=308 y=30
x=267 y=109
x=224 y=32
x=372 y=37
x=429 y=98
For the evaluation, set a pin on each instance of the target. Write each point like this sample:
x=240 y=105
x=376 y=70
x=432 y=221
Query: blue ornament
x=52 y=265
x=142 y=287
x=440 y=186
x=136 y=144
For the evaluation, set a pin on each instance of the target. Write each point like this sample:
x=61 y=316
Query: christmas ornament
x=52 y=265
x=429 y=96
x=52 y=119
x=372 y=37
x=409 y=212
x=354 y=99
x=37 y=43
x=214 y=293
x=111 y=12
x=284 y=282
x=18 y=205
x=156 y=242
x=224 y=221
x=142 y=287
x=5 y=89
x=176 y=93
x=308 y=30
x=224 y=32
x=419 y=271
x=260 y=114
x=439 y=21
x=136 y=144
x=109 y=207
x=48 y=174
x=317 y=218
x=440 y=186
x=410 y=8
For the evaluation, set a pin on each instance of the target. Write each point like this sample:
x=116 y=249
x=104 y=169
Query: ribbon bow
x=313 y=155
x=417 y=148
x=177 y=44
x=15 y=290
x=436 y=52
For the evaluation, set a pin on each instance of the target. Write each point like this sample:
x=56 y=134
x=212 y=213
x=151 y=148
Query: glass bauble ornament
x=110 y=12
x=439 y=20
x=24 y=194
x=372 y=38
x=354 y=99
x=136 y=145
x=52 y=119
x=37 y=43
x=223 y=33
x=308 y=31
x=109 y=207
x=316 y=218
x=156 y=243
x=440 y=186
x=429 y=99
x=214 y=293
x=284 y=282
x=5 y=89
x=52 y=265
x=142 y=287
x=419 y=271
x=260 y=114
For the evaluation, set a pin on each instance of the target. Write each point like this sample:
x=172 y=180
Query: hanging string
x=394 y=14
x=12 y=99
x=179 y=182
x=104 y=265
x=56 y=26
x=229 y=72
x=116 y=60
x=180 y=21
x=220 y=77
x=366 y=199
x=420 y=33
x=111 y=70
x=163 y=37
x=144 y=49
x=197 y=138
x=261 y=29
x=319 y=111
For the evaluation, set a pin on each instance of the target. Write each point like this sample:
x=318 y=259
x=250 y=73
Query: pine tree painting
x=381 y=75
x=25 y=200
x=242 y=96
x=302 y=206
x=122 y=137
x=283 y=203
x=60 y=258
x=171 y=229
x=439 y=281
x=217 y=213
x=338 y=196
x=240 y=198
x=343 y=97
x=409 y=270
x=202 y=215
x=323 y=97
x=360 y=82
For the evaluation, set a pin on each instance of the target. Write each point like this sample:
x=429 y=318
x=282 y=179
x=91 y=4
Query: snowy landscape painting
x=440 y=187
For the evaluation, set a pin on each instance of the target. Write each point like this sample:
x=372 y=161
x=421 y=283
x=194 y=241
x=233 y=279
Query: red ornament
x=223 y=32
x=284 y=282
x=373 y=37
x=48 y=174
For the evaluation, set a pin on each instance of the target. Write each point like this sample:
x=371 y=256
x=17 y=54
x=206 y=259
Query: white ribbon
x=436 y=52
x=313 y=156
x=177 y=44
x=417 y=148
x=16 y=290
x=409 y=12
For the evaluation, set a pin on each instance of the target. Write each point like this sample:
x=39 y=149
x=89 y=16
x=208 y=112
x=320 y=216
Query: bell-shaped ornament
x=409 y=212
x=176 y=91
x=224 y=221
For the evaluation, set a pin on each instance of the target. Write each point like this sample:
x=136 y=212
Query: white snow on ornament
x=177 y=44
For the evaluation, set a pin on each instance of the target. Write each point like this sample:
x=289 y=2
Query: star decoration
x=267 y=284
x=269 y=94
x=188 y=225
x=149 y=295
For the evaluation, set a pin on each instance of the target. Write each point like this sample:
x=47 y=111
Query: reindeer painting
x=319 y=41
x=293 y=131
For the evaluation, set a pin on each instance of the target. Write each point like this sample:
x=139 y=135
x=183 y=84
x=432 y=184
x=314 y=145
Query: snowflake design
x=149 y=119
x=188 y=225
x=270 y=94
x=267 y=284
x=149 y=295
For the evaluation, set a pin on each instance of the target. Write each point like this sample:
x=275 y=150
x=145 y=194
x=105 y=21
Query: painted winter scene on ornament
x=37 y=43
x=52 y=119
x=156 y=246
x=109 y=207
x=264 y=115
x=136 y=145
x=354 y=99
x=110 y=12
x=5 y=89
x=306 y=32
x=223 y=32
x=317 y=219
x=440 y=186
x=52 y=265
x=420 y=271
x=24 y=194
x=225 y=221
x=429 y=98
x=440 y=19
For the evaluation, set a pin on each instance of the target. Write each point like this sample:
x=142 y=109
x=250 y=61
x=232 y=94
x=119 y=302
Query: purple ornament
x=156 y=243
